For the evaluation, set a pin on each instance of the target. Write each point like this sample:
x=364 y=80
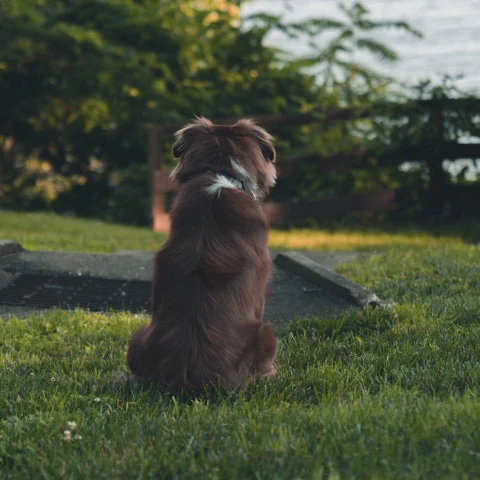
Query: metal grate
x=73 y=291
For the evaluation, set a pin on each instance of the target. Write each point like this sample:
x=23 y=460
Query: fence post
x=160 y=217
x=438 y=180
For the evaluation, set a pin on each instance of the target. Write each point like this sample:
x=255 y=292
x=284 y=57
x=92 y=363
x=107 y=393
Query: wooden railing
x=328 y=208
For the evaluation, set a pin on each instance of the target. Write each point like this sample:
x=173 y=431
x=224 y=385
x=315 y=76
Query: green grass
x=50 y=232
x=373 y=395
x=45 y=231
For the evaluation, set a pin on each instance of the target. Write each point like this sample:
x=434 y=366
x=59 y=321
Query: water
x=451 y=29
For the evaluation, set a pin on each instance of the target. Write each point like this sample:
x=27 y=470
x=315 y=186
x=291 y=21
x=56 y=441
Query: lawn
x=373 y=395
x=41 y=231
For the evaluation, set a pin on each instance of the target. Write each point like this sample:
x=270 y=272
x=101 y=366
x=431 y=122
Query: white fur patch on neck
x=219 y=183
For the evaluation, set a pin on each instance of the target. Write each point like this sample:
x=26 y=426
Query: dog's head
x=244 y=150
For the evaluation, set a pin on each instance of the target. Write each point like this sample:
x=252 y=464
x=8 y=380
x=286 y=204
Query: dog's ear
x=185 y=137
x=261 y=136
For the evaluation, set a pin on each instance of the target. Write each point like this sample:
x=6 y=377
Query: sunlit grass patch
x=358 y=239
x=50 y=232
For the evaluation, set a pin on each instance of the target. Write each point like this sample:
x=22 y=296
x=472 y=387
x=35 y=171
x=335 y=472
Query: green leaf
x=381 y=51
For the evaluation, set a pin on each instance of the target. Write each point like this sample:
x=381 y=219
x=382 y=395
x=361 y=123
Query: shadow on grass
x=129 y=386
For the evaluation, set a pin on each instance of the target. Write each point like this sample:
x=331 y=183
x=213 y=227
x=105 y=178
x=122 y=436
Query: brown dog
x=210 y=277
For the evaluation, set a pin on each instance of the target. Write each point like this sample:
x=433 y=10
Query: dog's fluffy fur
x=210 y=278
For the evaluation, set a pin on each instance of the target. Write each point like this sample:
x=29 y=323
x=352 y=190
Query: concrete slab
x=8 y=247
x=119 y=267
x=331 y=282
x=291 y=294
x=330 y=260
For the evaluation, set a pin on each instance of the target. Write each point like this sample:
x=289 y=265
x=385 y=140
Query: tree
x=333 y=62
x=79 y=79
x=76 y=82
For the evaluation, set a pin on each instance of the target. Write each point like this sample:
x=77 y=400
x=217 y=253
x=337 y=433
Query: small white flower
x=32 y=374
x=72 y=426
x=96 y=399
x=78 y=437
x=53 y=379
x=67 y=436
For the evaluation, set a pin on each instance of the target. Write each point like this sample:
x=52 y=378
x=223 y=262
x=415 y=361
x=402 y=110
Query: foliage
x=440 y=118
x=374 y=394
x=400 y=143
x=80 y=77
x=79 y=80
x=334 y=62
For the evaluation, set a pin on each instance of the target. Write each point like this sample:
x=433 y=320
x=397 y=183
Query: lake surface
x=451 y=29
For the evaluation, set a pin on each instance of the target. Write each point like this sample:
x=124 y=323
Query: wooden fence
x=329 y=208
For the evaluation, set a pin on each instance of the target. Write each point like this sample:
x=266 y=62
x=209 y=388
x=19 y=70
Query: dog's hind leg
x=266 y=351
x=136 y=356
